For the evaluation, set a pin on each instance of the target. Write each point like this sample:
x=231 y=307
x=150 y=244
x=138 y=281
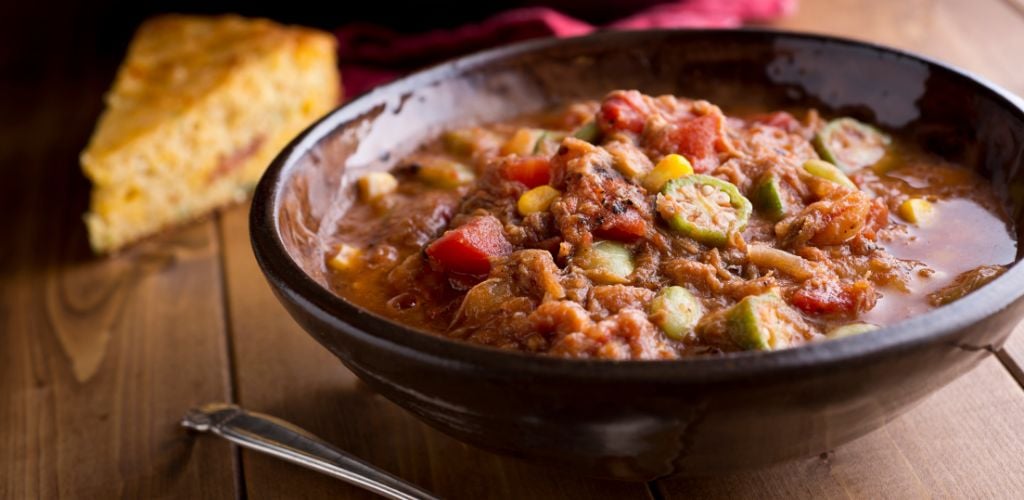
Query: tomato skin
x=532 y=171
x=822 y=301
x=623 y=111
x=468 y=248
x=835 y=298
x=779 y=119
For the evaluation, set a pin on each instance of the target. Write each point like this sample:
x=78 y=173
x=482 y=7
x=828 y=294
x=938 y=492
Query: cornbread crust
x=196 y=113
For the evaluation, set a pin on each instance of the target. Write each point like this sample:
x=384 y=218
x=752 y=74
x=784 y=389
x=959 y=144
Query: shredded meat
x=834 y=220
x=597 y=197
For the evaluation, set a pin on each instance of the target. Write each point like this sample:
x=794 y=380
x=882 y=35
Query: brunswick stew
x=643 y=227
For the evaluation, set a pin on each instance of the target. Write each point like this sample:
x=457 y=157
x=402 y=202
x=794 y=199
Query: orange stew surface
x=643 y=227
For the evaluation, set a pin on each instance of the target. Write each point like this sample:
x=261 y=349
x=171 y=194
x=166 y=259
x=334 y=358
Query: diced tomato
x=468 y=248
x=833 y=298
x=626 y=226
x=821 y=301
x=532 y=171
x=695 y=139
x=623 y=110
x=779 y=119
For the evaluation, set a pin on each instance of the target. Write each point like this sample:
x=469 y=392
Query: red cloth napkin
x=371 y=55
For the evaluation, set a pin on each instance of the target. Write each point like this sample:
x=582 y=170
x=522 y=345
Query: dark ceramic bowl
x=635 y=419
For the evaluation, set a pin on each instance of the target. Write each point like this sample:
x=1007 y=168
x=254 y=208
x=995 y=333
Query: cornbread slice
x=197 y=111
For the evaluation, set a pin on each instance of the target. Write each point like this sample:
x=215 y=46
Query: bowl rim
x=293 y=282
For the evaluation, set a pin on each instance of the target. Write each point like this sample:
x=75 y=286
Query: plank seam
x=241 y=491
x=1016 y=371
x=1017 y=6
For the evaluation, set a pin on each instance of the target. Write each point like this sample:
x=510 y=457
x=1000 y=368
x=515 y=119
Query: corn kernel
x=917 y=211
x=523 y=142
x=537 y=199
x=345 y=259
x=445 y=173
x=670 y=167
x=376 y=184
x=461 y=142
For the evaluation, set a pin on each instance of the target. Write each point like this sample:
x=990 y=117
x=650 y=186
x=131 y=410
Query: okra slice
x=589 y=132
x=763 y=322
x=676 y=311
x=607 y=262
x=850 y=330
x=829 y=172
x=704 y=208
x=771 y=199
x=850 y=144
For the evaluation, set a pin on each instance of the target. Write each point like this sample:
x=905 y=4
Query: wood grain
x=101 y=357
x=282 y=371
x=981 y=36
x=1017 y=4
x=954 y=445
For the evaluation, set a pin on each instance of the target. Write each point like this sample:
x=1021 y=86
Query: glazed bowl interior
x=646 y=419
x=937 y=107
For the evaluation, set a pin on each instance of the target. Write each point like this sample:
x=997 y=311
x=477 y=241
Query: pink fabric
x=371 y=55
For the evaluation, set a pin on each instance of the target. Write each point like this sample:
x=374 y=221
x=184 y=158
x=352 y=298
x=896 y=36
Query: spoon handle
x=283 y=440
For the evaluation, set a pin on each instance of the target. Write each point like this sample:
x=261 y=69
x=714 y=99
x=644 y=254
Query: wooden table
x=102 y=357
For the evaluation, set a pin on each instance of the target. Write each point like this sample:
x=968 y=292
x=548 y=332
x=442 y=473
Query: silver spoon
x=283 y=440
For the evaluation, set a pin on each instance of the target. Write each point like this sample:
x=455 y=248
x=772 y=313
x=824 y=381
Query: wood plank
x=282 y=371
x=981 y=36
x=101 y=356
x=963 y=442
